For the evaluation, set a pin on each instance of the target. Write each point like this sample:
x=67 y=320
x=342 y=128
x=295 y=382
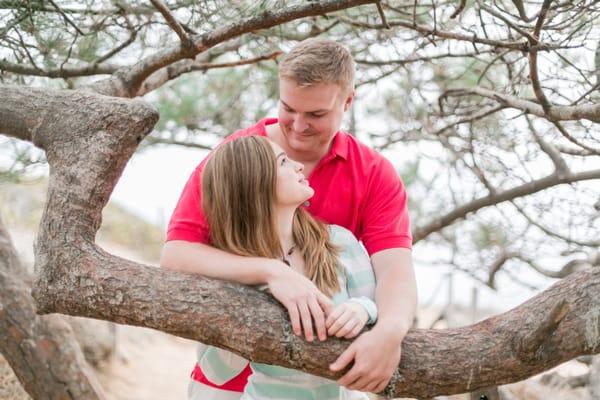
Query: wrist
x=272 y=269
x=392 y=328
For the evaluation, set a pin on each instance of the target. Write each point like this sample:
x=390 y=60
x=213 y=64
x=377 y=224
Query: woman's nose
x=299 y=167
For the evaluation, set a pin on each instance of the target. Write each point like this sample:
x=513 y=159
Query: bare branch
x=496 y=266
x=66 y=18
x=554 y=113
x=533 y=70
x=129 y=80
x=425 y=30
x=70 y=72
x=419 y=59
x=459 y=9
x=566 y=270
x=552 y=232
x=573 y=140
x=179 y=68
x=186 y=41
x=519 y=191
x=152 y=140
x=382 y=15
x=548 y=148
x=574 y=152
x=521 y=9
x=498 y=15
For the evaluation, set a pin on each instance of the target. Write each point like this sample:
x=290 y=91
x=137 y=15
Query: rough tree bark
x=41 y=350
x=88 y=138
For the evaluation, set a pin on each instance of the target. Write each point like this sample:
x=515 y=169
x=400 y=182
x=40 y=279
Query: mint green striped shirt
x=357 y=283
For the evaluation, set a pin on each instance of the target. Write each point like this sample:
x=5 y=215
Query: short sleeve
x=187 y=221
x=384 y=221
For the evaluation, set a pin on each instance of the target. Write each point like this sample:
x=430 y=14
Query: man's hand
x=304 y=302
x=376 y=355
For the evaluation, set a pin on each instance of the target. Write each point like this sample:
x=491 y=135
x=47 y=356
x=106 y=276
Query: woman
x=251 y=196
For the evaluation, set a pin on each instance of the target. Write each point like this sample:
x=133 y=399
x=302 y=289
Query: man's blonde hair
x=318 y=60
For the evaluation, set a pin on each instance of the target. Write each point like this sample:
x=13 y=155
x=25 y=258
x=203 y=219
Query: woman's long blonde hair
x=238 y=200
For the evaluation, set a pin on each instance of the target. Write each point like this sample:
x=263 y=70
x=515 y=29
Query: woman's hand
x=304 y=302
x=347 y=320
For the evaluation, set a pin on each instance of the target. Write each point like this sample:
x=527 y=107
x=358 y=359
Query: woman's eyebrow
x=280 y=154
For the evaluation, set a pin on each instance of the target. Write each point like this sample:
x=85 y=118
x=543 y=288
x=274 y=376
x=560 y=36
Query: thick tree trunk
x=88 y=139
x=41 y=350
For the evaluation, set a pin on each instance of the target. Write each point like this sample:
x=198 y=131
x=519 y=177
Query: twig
x=186 y=41
x=525 y=189
x=382 y=15
x=555 y=113
x=533 y=70
x=571 y=139
x=66 y=18
x=459 y=9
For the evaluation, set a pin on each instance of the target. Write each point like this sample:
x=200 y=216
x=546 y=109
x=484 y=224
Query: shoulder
x=256 y=129
x=341 y=236
x=358 y=153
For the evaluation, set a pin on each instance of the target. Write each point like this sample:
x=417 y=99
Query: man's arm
x=302 y=299
x=376 y=353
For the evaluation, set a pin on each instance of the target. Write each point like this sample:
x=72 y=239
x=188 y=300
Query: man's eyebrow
x=310 y=112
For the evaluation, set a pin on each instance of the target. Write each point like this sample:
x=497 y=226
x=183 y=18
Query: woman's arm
x=303 y=300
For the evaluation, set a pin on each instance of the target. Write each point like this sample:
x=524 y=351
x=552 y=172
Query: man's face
x=310 y=116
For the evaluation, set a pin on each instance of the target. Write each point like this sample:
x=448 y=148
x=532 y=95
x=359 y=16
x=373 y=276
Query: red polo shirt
x=355 y=187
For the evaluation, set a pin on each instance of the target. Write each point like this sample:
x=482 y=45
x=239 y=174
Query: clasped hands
x=375 y=353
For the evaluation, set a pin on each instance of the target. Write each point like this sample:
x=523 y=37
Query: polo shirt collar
x=339 y=147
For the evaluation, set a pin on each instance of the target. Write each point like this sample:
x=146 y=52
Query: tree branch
x=71 y=72
x=185 y=66
x=382 y=15
x=526 y=189
x=554 y=113
x=425 y=30
x=186 y=41
x=127 y=81
x=41 y=350
x=533 y=70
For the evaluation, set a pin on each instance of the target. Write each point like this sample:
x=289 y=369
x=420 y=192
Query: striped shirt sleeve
x=358 y=271
x=218 y=365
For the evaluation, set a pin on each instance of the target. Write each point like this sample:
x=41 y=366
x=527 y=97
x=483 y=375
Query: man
x=354 y=187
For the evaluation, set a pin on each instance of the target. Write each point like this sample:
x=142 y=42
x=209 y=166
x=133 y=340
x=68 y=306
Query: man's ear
x=348 y=101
